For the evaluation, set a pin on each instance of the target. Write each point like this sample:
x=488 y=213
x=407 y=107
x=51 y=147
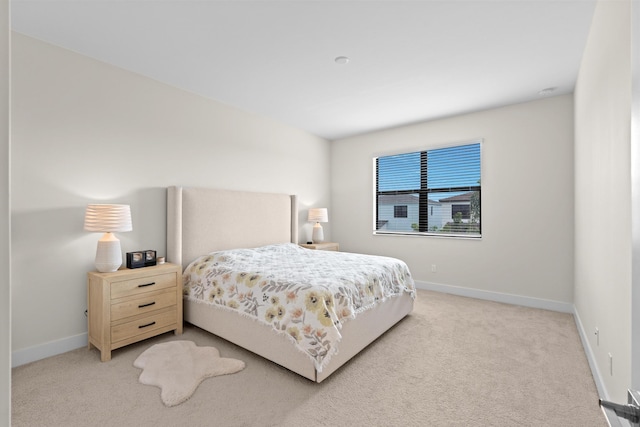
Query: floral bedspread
x=305 y=294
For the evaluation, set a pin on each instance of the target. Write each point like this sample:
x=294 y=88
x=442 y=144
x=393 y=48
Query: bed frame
x=202 y=220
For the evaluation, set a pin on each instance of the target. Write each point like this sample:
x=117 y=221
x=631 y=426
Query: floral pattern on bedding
x=303 y=293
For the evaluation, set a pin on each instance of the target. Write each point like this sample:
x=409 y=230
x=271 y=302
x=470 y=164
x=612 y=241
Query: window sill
x=436 y=235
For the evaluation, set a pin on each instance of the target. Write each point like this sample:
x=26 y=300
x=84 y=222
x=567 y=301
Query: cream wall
x=86 y=132
x=5 y=257
x=527 y=203
x=603 y=194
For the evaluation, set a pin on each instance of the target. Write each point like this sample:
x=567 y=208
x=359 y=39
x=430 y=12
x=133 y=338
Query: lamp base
x=108 y=254
x=318 y=233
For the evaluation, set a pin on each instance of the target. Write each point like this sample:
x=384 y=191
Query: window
x=400 y=211
x=431 y=192
x=463 y=210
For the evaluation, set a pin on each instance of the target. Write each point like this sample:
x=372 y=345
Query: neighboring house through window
x=390 y=218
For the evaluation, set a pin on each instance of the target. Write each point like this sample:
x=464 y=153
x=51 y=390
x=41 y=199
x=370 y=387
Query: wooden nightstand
x=130 y=305
x=326 y=246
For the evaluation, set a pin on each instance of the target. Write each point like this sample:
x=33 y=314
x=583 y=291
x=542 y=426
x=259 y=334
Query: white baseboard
x=597 y=377
x=52 y=348
x=563 y=307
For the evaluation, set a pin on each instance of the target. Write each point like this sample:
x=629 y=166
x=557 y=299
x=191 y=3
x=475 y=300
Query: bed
x=201 y=221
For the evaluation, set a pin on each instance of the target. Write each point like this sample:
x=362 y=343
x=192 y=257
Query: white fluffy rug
x=178 y=367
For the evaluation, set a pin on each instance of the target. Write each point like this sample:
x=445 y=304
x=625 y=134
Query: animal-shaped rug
x=178 y=368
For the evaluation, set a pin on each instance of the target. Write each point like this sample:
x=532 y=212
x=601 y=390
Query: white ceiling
x=409 y=60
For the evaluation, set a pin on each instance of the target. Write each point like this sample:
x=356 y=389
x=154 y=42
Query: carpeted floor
x=454 y=362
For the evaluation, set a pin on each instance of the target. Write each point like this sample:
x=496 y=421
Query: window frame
x=423 y=206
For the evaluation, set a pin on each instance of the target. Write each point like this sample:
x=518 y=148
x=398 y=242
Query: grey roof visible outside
x=400 y=199
x=466 y=197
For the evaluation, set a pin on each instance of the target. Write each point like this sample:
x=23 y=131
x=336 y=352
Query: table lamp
x=108 y=219
x=318 y=215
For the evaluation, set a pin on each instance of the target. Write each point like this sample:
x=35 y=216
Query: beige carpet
x=454 y=362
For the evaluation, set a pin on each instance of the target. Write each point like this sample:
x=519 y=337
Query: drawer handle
x=147 y=284
x=148 y=324
x=146 y=305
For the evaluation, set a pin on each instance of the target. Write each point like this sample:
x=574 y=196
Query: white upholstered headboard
x=203 y=220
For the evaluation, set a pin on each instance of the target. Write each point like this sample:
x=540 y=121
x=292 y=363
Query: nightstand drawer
x=142 y=325
x=146 y=303
x=142 y=284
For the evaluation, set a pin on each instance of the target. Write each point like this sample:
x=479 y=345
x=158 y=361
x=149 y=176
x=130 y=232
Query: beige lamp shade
x=108 y=219
x=318 y=215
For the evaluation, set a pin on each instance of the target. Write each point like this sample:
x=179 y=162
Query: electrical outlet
x=597 y=337
x=433 y=268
